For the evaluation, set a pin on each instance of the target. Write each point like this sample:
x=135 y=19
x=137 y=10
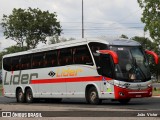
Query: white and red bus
x=95 y=69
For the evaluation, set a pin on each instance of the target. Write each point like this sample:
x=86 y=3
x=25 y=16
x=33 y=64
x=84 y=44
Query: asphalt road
x=152 y=103
x=76 y=108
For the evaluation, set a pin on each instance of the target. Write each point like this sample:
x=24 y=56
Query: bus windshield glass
x=133 y=65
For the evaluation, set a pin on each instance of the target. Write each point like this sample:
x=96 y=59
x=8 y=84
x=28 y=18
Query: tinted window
x=82 y=55
x=38 y=60
x=15 y=64
x=65 y=56
x=97 y=46
x=25 y=62
x=106 y=66
x=94 y=47
x=50 y=59
x=7 y=64
x=61 y=57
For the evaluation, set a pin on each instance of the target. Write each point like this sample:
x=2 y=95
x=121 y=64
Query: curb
x=156 y=96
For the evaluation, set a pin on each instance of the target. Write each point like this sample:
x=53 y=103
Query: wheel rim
x=93 y=96
x=20 y=95
x=29 y=96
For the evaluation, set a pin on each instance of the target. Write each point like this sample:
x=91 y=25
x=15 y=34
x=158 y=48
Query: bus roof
x=109 y=41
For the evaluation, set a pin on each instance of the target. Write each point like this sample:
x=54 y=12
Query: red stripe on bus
x=75 y=79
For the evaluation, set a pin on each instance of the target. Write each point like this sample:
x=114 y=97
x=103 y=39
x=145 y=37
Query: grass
x=0 y=89
x=156 y=92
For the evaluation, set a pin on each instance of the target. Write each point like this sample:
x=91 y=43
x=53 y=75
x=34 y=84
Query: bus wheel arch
x=28 y=94
x=91 y=94
x=20 y=95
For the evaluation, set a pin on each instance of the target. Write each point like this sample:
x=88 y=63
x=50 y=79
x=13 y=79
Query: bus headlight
x=121 y=93
x=149 y=85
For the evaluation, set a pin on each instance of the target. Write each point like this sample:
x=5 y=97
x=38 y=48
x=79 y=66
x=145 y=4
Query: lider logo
x=67 y=72
x=19 y=78
x=51 y=73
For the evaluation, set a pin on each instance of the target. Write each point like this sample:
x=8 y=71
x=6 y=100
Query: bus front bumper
x=124 y=93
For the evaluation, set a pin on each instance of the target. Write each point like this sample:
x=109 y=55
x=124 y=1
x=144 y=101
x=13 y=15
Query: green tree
x=147 y=44
x=12 y=49
x=30 y=26
x=151 y=18
x=124 y=36
x=56 y=39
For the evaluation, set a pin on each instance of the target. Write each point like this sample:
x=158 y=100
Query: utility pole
x=82 y=22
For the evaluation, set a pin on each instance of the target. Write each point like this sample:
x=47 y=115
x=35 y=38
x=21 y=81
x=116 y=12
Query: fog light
x=121 y=94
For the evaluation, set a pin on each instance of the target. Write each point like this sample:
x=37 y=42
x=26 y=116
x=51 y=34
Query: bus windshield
x=133 y=65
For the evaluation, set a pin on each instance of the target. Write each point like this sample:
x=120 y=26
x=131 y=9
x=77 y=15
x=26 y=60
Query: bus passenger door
x=106 y=68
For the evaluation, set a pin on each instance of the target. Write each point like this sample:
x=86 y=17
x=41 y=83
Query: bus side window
x=51 y=59
x=106 y=65
x=94 y=46
x=25 y=62
x=15 y=64
x=7 y=64
x=82 y=55
x=38 y=60
x=65 y=57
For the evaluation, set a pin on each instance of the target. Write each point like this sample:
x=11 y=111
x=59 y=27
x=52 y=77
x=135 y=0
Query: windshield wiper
x=136 y=66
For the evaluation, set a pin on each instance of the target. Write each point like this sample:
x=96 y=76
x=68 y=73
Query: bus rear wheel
x=20 y=96
x=92 y=96
x=124 y=101
x=29 y=96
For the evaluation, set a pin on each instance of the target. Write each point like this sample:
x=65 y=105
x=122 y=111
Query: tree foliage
x=151 y=17
x=30 y=26
x=12 y=49
x=147 y=44
x=56 y=39
x=124 y=36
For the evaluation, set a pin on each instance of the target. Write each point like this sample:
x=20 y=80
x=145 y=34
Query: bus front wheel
x=29 y=96
x=20 y=96
x=92 y=96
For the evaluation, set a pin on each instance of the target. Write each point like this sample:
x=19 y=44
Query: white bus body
x=69 y=70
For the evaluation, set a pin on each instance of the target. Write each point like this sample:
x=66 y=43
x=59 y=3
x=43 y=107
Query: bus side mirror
x=153 y=54
x=107 y=60
x=111 y=53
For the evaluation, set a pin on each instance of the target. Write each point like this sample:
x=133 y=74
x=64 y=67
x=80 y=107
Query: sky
x=101 y=17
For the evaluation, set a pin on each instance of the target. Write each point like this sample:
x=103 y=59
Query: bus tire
x=20 y=96
x=29 y=96
x=92 y=96
x=124 y=101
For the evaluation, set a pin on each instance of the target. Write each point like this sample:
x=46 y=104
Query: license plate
x=138 y=95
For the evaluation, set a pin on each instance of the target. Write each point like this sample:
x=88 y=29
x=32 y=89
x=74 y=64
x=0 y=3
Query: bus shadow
x=83 y=102
x=80 y=102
